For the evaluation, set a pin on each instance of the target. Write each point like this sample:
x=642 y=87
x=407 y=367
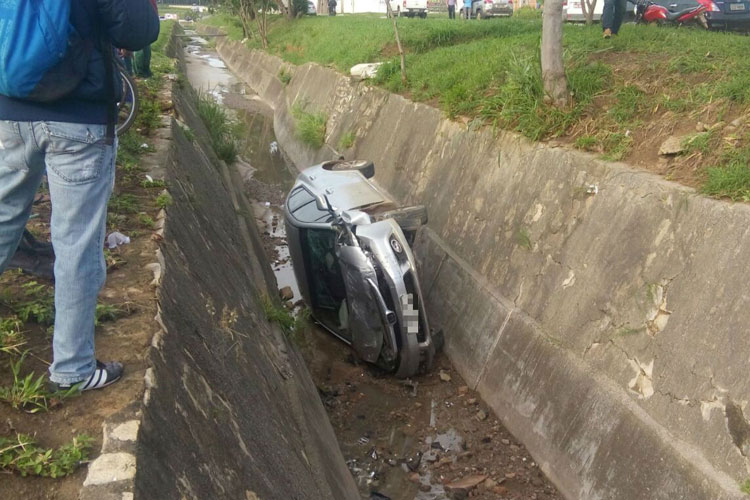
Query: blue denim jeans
x=80 y=169
x=612 y=14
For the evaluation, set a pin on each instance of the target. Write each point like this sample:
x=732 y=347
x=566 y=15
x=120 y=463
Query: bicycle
x=127 y=108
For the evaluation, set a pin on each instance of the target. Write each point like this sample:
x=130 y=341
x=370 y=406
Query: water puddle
x=261 y=163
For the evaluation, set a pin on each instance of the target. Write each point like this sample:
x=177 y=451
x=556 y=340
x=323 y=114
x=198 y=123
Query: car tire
x=479 y=15
x=364 y=167
x=407 y=218
x=423 y=15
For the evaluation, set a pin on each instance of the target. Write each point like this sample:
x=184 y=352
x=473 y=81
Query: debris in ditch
x=592 y=189
x=363 y=440
x=466 y=483
x=286 y=293
x=412 y=385
x=444 y=376
x=273 y=148
x=433 y=418
x=116 y=239
x=374 y=495
x=481 y=415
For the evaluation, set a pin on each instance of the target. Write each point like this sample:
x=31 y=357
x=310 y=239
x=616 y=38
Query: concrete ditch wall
x=230 y=410
x=606 y=327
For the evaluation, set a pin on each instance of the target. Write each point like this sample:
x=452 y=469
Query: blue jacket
x=128 y=24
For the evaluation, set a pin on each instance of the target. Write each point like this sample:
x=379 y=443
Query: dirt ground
x=125 y=339
x=429 y=437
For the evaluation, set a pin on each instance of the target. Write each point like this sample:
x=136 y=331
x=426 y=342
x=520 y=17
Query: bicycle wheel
x=127 y=108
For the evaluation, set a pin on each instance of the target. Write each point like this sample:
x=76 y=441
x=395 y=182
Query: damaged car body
x=350 y=247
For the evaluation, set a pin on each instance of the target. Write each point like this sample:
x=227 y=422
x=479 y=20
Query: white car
x=409 y=8
x=312 y=10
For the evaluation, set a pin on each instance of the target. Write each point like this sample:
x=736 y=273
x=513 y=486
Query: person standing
x=451 y=9
x=612 y=15
x=142 y=59
x=72 y=138
x=467 y=9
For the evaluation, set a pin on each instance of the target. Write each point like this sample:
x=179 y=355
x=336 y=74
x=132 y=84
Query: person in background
x=612 y=15
x=467 y=9
x=142 y=59
x=331 y=7
x=72 y=138
x=451 y=9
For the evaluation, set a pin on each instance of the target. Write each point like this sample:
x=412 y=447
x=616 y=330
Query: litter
x=116 y=239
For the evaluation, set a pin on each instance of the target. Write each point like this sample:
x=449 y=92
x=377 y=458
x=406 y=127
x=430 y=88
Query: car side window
x=324 y=275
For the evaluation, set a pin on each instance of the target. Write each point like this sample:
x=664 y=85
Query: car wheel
x=398 y=12
x=479 y=14
x=364 y=167
x=407 y=218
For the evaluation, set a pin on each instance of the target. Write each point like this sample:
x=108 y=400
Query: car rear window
x=302 y=206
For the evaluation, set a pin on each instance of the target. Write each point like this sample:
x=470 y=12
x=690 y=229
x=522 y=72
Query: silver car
x=350 y=250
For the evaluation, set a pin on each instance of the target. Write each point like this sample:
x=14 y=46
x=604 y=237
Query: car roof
x=345 y=189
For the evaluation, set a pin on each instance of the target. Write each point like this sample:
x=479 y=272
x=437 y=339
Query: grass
x=222 y=132
x=22 y=455
x=164 y=200
x=347 y=140
x=311 y=126
x=490 y=70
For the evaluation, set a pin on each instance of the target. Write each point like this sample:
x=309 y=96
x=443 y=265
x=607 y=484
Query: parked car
x=350 y=248
x=489 y=8
x=409 y=8
x=732 y=15
x=312 y=10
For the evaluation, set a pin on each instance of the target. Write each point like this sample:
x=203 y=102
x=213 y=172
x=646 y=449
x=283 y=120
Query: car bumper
x=730 y=22
x=498 y=11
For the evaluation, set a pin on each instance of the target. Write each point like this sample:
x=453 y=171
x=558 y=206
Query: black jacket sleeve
x=130 y=24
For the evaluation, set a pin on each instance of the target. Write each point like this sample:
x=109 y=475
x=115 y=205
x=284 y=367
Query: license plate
x=736 y=6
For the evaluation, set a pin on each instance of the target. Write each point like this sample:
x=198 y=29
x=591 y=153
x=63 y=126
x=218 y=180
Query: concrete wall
x=230 y=410
x=607 y=330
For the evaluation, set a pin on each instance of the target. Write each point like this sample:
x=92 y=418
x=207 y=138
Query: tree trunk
x=589 y=11
x=553 y=69
x=398 y=42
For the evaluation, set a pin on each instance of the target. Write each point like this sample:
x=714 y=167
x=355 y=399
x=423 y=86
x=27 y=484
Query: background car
x=312 y=10
x=409 y=8
x=733 y=15
x=489 y=8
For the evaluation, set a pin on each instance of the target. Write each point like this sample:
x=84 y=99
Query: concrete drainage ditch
x=426 y=438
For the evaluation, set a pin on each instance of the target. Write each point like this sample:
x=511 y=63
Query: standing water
x=427 y=438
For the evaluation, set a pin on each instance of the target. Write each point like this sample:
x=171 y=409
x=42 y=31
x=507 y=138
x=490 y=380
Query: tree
x=588 y=10
x=398 y=41
x=553 y=69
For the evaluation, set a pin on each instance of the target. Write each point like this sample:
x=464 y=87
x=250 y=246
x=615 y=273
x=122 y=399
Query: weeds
x=25 y=393
x=347 y=140
x=311 y=127
x=745 y=487
x=38 y=304
x=106 y=312
x=11 y=336
x=220 y=130
x=278 y=314
x=125 y=203
x=285 y=76
x=524 y=239
x=153 y=183
x=146 y=220
x=24 y=456
x=164 y=200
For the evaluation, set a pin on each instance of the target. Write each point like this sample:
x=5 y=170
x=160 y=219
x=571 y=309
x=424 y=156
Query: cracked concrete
x=617 y=333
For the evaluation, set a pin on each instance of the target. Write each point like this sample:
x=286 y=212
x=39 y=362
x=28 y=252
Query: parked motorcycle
x=647 y=11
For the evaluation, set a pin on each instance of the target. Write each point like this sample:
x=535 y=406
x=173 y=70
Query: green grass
x=745 y=487
x=23 y=455
x=276 y=313
x=222 y=132
x=311 y=126
x=490 y=70
x=347 y=140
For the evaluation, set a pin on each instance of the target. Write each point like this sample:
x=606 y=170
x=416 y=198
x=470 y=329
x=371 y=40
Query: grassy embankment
x=630 y=92
x=27 y=308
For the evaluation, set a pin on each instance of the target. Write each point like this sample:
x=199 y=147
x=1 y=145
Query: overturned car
x=350 y=250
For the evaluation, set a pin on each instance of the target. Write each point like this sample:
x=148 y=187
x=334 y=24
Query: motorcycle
x=647 y=11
